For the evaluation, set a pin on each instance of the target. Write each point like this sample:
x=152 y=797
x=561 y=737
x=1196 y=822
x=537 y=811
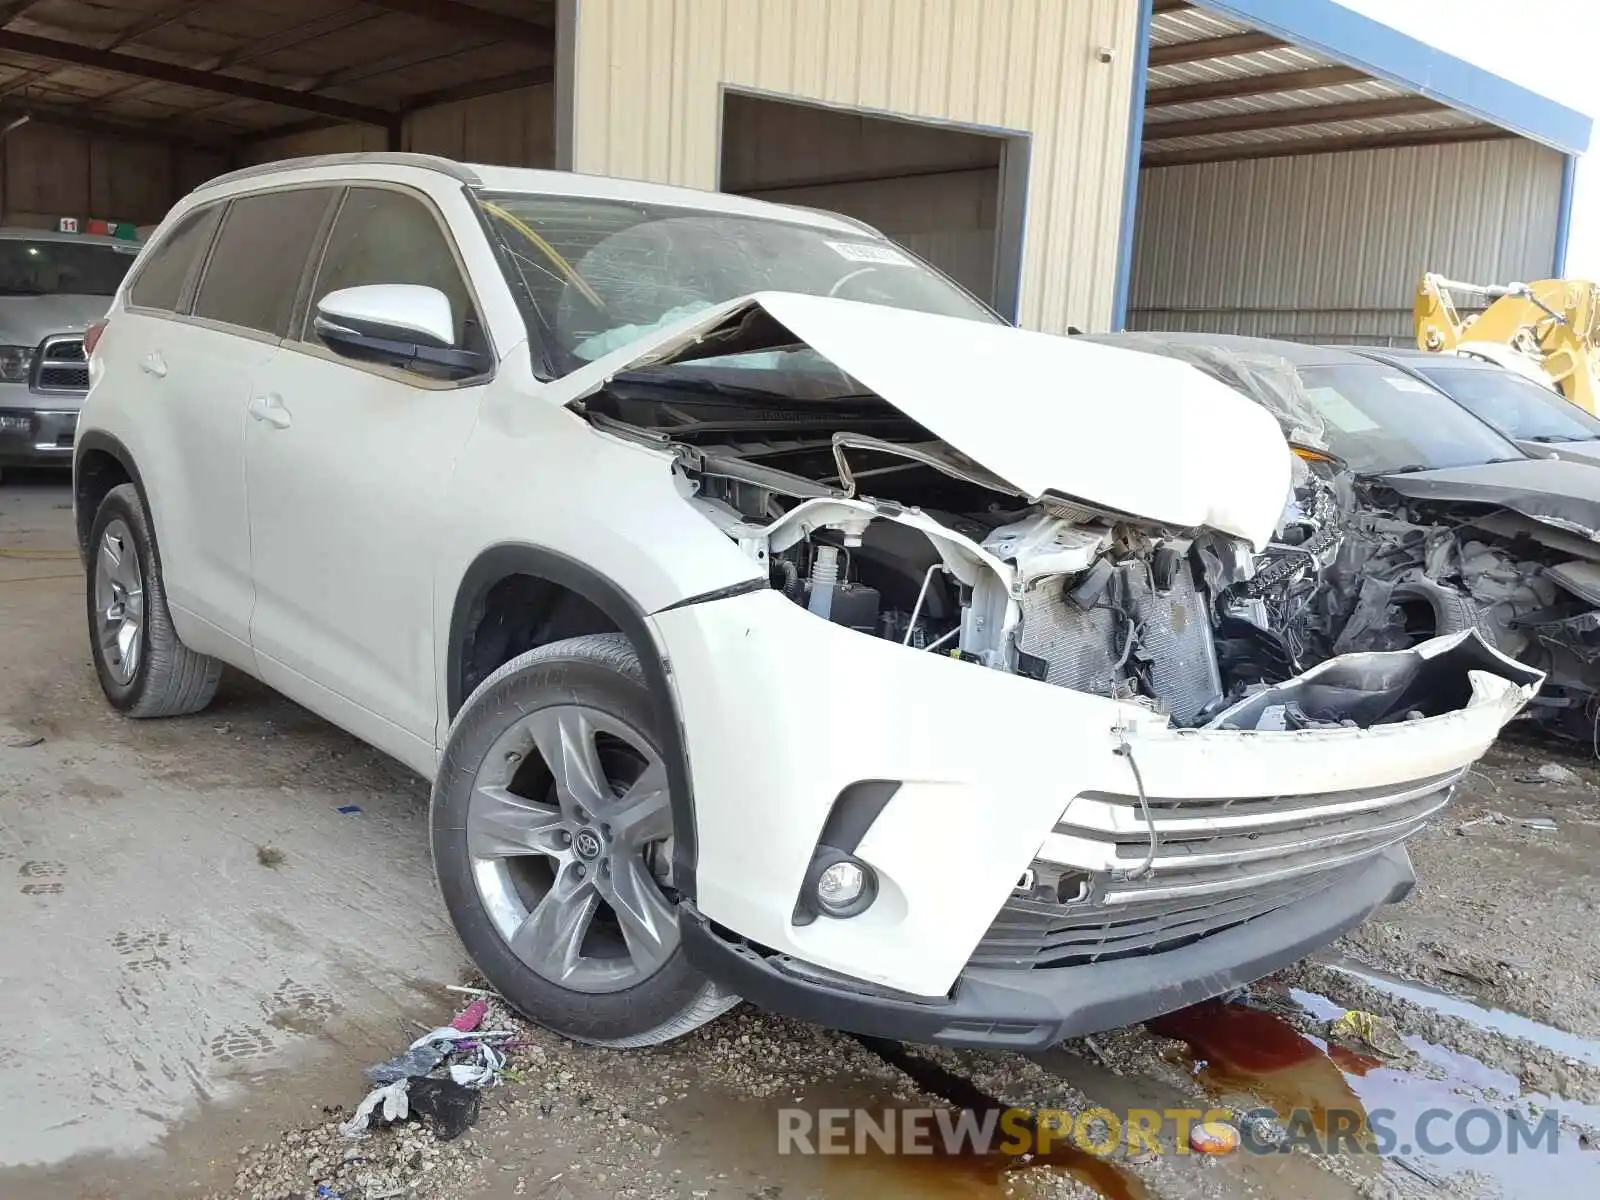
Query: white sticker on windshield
x=1338 y=411
x=870 y=252
x=1410 y=385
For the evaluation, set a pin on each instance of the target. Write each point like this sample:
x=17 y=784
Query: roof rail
x=426 y=162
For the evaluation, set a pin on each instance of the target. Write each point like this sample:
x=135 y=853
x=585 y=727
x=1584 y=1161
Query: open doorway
x=950 y=194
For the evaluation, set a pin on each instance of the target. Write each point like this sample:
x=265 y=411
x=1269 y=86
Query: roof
x=1411 y=357
x=1220 y=89
x=527 y=179
x=215 y=71
x=1297 y=353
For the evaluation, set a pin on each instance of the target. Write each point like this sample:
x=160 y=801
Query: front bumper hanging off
x=1025 y=892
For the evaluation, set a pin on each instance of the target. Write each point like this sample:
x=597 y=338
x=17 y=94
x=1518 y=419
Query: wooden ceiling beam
x=53 y=50
x=470 y=19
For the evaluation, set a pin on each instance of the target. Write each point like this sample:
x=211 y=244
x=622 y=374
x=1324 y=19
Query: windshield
x=1381 y=420
x=603 y=273
x=1517 y=407
x=47 y=267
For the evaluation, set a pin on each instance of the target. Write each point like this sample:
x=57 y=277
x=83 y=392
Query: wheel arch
x=569 y=577
x=101 y=462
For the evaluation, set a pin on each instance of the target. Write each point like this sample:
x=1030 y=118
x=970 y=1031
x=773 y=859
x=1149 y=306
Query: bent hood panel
x=1124 y=431
x=1560 y=493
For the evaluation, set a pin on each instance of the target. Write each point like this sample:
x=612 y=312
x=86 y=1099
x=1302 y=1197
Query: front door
x=347 y=465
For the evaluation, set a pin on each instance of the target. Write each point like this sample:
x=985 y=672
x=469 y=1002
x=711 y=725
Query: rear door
x=206 y=309
x=347 y=465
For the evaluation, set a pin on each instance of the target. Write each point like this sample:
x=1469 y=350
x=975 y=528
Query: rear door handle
x=154 y=364
x=269 y=408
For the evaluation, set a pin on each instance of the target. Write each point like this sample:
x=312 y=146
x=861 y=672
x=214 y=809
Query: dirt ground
x=212 y=925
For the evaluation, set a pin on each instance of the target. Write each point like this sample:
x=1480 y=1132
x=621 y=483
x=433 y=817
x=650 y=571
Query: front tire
x=552 y=840
x=145 y=671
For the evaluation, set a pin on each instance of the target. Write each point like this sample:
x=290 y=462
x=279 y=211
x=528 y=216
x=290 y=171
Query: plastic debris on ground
x=1556 y=773
x=436 y=1079
x=1366 y=1033
x=1213 y=1137
x=1488 y=818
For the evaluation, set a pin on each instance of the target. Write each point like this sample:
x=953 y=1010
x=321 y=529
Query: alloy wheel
x=119 y=600
x=569 y=833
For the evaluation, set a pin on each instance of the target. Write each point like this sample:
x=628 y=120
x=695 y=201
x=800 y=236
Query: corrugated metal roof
x=1191 y=25
x=1236 y=66
x=370 y=55
x=1271 y=102
x=1380 y=107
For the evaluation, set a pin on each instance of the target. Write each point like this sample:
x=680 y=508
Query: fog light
x=841 y=885
x=838 y=885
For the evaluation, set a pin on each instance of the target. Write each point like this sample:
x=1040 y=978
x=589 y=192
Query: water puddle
x=713 y=1133
x=985 y=1174
x=1499 y=1020
x=1249 y=1057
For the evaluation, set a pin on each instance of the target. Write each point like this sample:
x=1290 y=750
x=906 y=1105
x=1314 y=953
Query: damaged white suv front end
x=966 y=767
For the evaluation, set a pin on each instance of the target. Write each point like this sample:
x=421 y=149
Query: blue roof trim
x=1130 y=182
x=1341 y=33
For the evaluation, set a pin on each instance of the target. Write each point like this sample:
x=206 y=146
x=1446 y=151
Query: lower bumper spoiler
x=1033 y=1009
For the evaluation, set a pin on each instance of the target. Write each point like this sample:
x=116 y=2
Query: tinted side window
x=254 y=272
x=385 y=236
x=161 y=278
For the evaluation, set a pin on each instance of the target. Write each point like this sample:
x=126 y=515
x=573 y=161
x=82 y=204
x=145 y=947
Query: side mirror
x=400 y=325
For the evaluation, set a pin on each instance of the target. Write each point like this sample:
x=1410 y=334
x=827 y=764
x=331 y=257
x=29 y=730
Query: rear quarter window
x=161 y=278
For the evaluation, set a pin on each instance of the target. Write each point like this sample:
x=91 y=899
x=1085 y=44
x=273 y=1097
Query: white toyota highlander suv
x=772 y=620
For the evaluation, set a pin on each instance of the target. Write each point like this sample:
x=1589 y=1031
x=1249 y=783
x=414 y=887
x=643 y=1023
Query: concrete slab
x=182 y=904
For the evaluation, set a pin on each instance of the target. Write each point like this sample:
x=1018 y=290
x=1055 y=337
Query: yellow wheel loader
x=1547 y=330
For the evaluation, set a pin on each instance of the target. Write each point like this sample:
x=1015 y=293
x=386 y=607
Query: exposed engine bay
x=865 y=519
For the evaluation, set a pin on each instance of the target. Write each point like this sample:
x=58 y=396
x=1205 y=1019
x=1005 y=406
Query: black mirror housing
x=405 y=355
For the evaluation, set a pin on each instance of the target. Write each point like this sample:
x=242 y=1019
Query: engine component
x=1134 y=631
x=824 y=578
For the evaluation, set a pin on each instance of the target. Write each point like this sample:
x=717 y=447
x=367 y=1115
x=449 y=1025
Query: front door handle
x=269 y=408
x=154 y=364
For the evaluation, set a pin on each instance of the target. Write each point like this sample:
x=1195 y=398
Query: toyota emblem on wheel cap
x=587 y=843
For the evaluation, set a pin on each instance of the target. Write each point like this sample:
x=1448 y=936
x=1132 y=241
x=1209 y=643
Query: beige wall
x=649 y=77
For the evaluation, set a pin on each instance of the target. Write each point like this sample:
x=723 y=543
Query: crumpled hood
x=1557 y=492
x=1052 y=416
x=28 y=320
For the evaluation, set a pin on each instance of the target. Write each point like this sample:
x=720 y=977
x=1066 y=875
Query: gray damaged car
x=1409 y=517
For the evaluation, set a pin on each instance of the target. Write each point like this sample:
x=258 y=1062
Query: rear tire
x=552 y=835
x=145 y=671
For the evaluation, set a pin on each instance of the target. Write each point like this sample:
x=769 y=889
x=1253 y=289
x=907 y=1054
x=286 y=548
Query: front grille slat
x=1218 y=864
x=60 y=365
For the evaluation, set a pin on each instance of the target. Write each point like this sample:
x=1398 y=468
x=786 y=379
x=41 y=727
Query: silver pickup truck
x=52 y=285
